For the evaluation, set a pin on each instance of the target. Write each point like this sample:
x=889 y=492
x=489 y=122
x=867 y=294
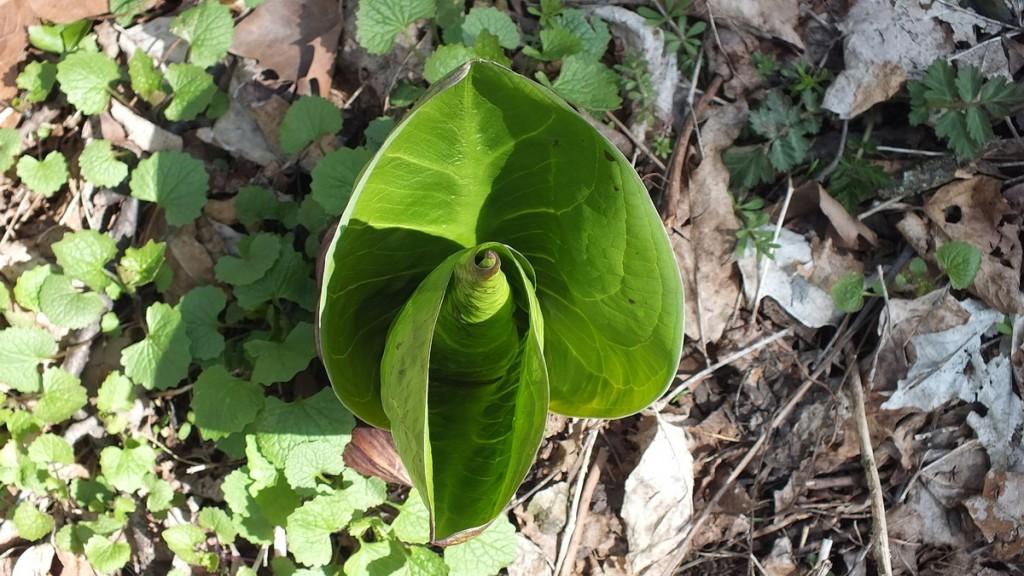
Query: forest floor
x=842 y=183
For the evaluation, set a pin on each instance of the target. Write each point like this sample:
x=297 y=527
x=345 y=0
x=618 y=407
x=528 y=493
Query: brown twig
x=584 y=509
x=880 y=532
x=681 y=150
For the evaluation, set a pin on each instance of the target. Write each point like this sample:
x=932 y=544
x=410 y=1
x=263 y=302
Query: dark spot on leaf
x=608 y=156
x=631 y=301
x=953 y=214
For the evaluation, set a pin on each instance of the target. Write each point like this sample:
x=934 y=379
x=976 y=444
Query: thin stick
x=880 y=532
x=909 y=151
x=839 y=153
x=890 y=203
x=699 y=376
x=584 y=509
x=675 y=176
x=636 y=142
x=775 y=239
x=563 y=551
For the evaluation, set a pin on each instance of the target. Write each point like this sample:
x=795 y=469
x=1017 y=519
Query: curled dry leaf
x=789 y=280
x=703 y=242
x=139 y=131
x=297 y=39
x=659 y=498
x=371 y=452
x=999 y=512
x=884 y=43
x=812 y=197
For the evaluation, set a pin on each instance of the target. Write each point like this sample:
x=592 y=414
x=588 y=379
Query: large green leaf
x=490 y=158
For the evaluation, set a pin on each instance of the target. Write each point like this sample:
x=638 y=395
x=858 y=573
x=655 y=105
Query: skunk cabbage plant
x=497 y=259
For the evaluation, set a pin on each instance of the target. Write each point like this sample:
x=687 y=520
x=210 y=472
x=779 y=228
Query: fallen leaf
x=975 y=211
x=64 y=11
x=1001 y=427
x=659 y=498
x=732 y=59
x=884 y=43
x=545 y=517
x=780 y=560
x=530 y=561
x=703 y=241
x=999 y=512
x=35 y=561
x=249 y=127
x=785 y=282
x=812 y=197
x=297 y=39
x=154 y=37
x=191 y=263
x=771 y=18
x=15 y=17
x=140 y=131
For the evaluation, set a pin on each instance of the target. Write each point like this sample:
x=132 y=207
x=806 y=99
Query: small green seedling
x=498 y=259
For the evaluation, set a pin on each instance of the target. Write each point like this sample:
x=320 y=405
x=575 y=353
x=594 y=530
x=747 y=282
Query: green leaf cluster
x=961 y=104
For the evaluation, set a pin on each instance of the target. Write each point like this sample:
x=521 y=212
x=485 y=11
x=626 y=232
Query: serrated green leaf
x=377 y=559
x=307 y=119
x=140 y=266
x=940 y=81
x=22 y=350
x=83 y=256
x=290 y=279
x=412 y=525
x=261 y=471
x=146 y=80
x=127 y=10
x=281 y=361
x=488 y=47
x=66 y=306
x=37 y=80
x=200 y=308
x=105 y=556
x=424 y=562
x=176 y=181
x=591 y=30
x=257 y=254
x=31 y=523
x=309 y=528
x=224 y=404
x=219 y=522
x=209 y=29
x=193 y=90
x=748 y=166
x=494 y=21
x=960 y=261
x=334 y=176
x=588 y=84
x=444 y=60
x=848 y=292
x=978 y=126
x=788 y=151
x=998 y=96
x=494 y=549
x=187 y=542
x=161 y=359
x=160 y=494
x=44 y=177
x=379 y=21
x=968 y=83
x=116 y=393
x=99 y=165
x=51 y=449
x=310 y=461
x=127 y=469
x=86 y=79
x=557 y=42
x=63 y=395
x=26 y=289
x=284 y=426
x=254 y=204
x=10 y=146
x=951 y=126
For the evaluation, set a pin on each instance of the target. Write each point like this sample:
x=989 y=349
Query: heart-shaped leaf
x=492 y=166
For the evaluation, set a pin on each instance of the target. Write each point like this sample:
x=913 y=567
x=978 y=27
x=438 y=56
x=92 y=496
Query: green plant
x=753 y=230
x=680 y=35
x=960 y=261
x=526 y=270
x=856 y=179
x=961 y=104
x=637 y=85
x=915 y=278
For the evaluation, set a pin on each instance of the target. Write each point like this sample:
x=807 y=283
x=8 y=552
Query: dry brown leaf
x=63 y=11
x=772 y=18
x=371 y=452
x=732 y=59
x=297 y=39
x=704 y=241
x=190 y=261
x=884 y=43
x=15 y=17
x=780 y=561
x=812 y=197
x=975 y=211
x=999 y=512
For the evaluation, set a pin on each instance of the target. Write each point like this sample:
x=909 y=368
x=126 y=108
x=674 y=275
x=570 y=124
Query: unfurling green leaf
x=526 y=270
x=140 y=266
x=960 y=261
x=848 y=292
